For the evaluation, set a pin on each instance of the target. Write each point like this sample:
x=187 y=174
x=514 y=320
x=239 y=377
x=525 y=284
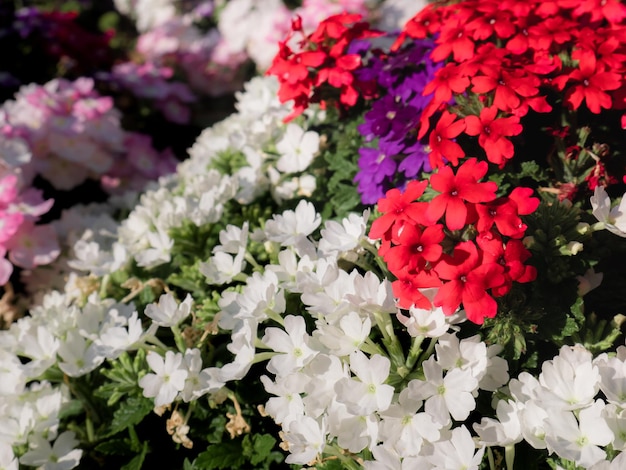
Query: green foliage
x=228 y=161
x=137 y=462
x=221 y=456
x=337 y=187
x=251 y=451
x=124 y=376
x=129 y=413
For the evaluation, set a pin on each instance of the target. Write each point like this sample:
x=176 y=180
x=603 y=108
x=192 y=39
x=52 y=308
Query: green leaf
x=130 y=413
x=258 y=447
x=137 y=462
x=225 y=455
x=72 y=408
x=114 y=447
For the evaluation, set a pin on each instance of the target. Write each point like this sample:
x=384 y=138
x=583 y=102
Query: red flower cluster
x=466 y=241
x=512 y=55
x=321 y=59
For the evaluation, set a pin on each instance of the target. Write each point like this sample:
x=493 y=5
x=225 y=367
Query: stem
x=250 y=259
x=91 y=436
x=104 y=285
x=429 y=351
x=390 y=340
x=509 y=456
x=492 y=463
x=178 y=338
x=414 y=352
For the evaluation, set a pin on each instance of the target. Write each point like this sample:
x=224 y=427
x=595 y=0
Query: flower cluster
x=481 y=234
x=561 y=49
x=66 y=134
x=28 y=245
x=250 y=311
x=394 y=155
x=321 y=59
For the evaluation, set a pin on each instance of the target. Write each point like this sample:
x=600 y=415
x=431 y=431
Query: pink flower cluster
x=28 y=245
x=209 y=66
x=72 y=132
x=65 y=133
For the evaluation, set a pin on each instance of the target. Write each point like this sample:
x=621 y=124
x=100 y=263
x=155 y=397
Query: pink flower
x=33 y=245
x=9 y=224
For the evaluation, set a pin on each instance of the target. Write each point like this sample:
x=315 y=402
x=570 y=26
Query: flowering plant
x=256 y=309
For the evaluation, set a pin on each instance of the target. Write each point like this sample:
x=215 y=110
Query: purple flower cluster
x=394 y=155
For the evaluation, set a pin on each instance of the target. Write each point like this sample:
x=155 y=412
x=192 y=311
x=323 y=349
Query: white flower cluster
x=274 y=155
x=561 y=410
x=57 y=334
x=332 y=385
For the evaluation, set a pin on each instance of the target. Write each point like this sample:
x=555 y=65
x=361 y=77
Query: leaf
x=225 y=455
x=258 y=447
x=130 y=413
x=114 y=447
x=137 y=462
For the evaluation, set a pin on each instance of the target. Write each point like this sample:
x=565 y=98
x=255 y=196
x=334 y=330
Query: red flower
x=503 y=213
x=611 y=10
x=399 y=207
x=415 y=247
x=468 y=280
x=454 y=39
x=508 y=87
x=407 y=288
x=458 y=190
x=590 y=84
x=491 y=20
x=492 y=134
x=440 y=140
x=511 y=256
x=526 y=204
x=447 y=80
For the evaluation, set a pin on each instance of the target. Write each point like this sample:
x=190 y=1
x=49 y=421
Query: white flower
x=223 y=267
x=618 y=463
x=232 y=239
x=169 y=377
x=345 y=338
x=354 y=432
x=467 y=354
x=78 y=356
x=445 y=396
x=571 y=379
x=504 y=431
x=290 y=226
x=306 y=438
x=8 y=460
x=325 y=371
x=116 y=339
x=613 y=219
x=580 y=440
x=405 y=428
x=369 y=393
x=60 y=456
x=456 y=452
x=297 y=149
x=287 y=405
x=429 y=323
x=168 y=313
x=589 y=281
x=194 y=382
x=340 y=237
x=160 y=246
x=612 y=378
x=292 y=342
